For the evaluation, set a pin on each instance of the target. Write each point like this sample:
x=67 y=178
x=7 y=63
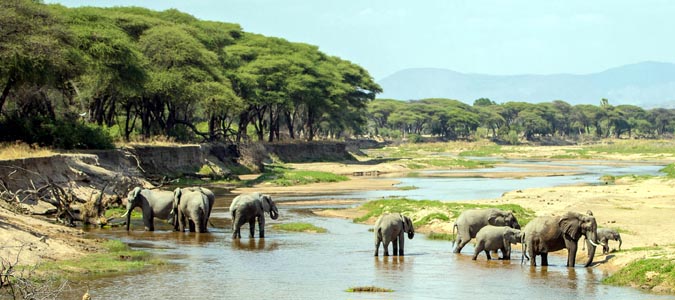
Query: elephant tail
x=454 y=235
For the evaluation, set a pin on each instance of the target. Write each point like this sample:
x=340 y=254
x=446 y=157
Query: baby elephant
x=493 y=238
x=390 y=228
x=604 y=235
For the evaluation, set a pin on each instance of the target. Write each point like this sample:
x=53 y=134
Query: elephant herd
x=495 y=229
x=191 y=207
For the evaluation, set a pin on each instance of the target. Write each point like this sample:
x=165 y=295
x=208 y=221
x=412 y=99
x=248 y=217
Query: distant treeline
x=510 y=121
x=75 y=77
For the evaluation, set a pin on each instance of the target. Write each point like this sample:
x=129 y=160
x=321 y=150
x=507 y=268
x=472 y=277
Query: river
x=323 y=266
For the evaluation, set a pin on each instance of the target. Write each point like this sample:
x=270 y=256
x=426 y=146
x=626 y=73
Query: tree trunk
x=5 y=92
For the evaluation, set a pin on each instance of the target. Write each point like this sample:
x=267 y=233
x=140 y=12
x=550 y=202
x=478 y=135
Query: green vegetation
x=669 y=170
x=299 y=227
x=283 y=176
x=449 y=119
x=407 y=187
x=443 y=210
x=482 y=151
x=78 y=77
x=117 y=258
x=372 y=289
x=441 y=236
x=645 y=273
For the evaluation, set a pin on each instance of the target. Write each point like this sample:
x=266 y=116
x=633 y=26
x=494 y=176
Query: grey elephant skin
x=493 y=238
x=471 y=221
x=390 y=228
x=154 y=203
x=548 y=234
x=247 y=208
x=606 y=234
x=209 y=194
x=192 y=208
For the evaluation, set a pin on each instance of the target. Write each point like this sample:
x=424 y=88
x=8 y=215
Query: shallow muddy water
x=323 y=266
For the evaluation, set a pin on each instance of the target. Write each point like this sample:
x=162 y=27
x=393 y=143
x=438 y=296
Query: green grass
x=669 y=170
x=645 y=273
x=299 y=227
x=441 y=236
x=430 y=217
x=407 y=187
x=482 y=151
x=118 y=258
x=284 y=176
x=371 y=289
x=119 y=211
x=451 y=210
x=635 y=147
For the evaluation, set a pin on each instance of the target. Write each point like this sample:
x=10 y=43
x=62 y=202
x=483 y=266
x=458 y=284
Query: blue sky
x=473 y=36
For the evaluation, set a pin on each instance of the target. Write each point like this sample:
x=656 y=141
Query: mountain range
x=645 y=84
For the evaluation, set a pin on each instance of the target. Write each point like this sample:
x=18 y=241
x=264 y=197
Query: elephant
x=211 y=201
x=471 y=221
x=606 y=234
x=547 y=234
x=154 y=203
x=191 y=208
x=245 y=208
x=493 y=238
x=390 y=228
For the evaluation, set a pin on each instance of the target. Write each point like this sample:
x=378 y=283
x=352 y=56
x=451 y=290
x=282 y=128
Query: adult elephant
x=471 y=221
x=493 y=238
x=606 y=234
x=154 y=203
x=390 y=228
x=211 y=201
x=191 y=208
x=246 y=208
x=548 y=234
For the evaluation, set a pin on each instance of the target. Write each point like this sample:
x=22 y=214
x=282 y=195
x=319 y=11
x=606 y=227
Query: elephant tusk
x=125 y=214
x=593 y=243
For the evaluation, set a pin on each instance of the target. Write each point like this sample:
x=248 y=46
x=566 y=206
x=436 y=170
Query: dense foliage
x=510 y=121
x=130 y=71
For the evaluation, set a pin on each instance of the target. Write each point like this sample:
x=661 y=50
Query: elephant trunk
x=274 y=213
x=619 y=243
x=591 y=239
x=128 y=215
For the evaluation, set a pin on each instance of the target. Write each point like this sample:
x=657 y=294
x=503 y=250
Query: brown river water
x=323 y=266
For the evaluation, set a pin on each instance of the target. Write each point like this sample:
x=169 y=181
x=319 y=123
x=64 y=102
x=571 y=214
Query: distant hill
x=646 y=84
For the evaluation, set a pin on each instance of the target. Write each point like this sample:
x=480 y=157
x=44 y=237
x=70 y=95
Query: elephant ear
x=177 y=193
x=136 y=191
x=407 y=224
x=265 y=201
x=571 y=225
x=492 y=218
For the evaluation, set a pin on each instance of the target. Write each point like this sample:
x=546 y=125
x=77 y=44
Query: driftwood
x=63 y=200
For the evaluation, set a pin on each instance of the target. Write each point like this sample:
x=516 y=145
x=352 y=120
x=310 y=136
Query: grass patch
x=369 y=289
x=407 y=187
x=117 y=258
x=450 y=210
x=299 y=227
x=441 y=236
x=669 y=170
x=119 y=211
x=635 y=147
x=430 y=217
x=645 y=273
x=284 y=176
x=22 y=150
x=482 y=151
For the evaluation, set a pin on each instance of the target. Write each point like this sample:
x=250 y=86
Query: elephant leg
x=506 y=252
x=544 y=259
x=236 y=226
x=378 y=240
x=251 y=226
x=385 y=245
x=401 y=244
x=464 y=238
x=192 y=224
x=487 y=254
x=148 y=220
x=530 y=251
x=394 y=243
x=261 y=226
x=571 y=252
x=477 y=250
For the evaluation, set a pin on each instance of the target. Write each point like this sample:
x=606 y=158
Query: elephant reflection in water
x=254 y=245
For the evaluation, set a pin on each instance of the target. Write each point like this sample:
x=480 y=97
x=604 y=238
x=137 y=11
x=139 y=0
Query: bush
x=60 y=133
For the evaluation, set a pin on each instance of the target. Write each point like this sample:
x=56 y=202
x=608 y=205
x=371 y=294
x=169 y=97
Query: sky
x=494 y=37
